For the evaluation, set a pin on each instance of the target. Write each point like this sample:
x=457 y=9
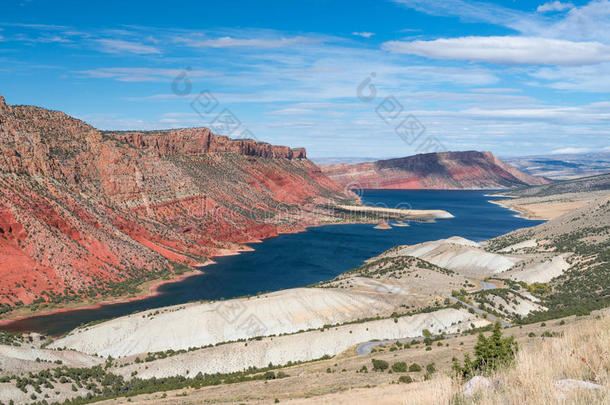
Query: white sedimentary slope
x=530 y=243
x=541 y=272
x=516 y=304
x=469 y=259
x=71 y=358
x=201 y=324
x=301 y=346
x=461 y=255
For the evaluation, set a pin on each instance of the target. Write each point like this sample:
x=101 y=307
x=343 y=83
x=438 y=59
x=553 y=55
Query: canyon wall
x=89 y=212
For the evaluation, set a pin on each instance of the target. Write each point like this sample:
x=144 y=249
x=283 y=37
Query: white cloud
x=126 y=74
x=567 y=151
x=593 y=78
x=120 y=46
x=231 y=42
x=585 y=23
x=292 y=111
x=496 y=90
x=473 y=11
x=364 y=34
x=510 y=50
x=554 y=6
x=589 y=22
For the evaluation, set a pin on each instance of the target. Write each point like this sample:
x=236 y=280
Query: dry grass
x=582 y=353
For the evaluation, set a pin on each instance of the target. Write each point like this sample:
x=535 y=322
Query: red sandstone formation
x=199 y=141
x=446 y=170
x=85 y=212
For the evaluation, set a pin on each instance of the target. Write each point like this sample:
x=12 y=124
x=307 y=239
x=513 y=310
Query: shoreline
x=518 y=213
x=542 y=208
x=149 y=292
x=153 y=289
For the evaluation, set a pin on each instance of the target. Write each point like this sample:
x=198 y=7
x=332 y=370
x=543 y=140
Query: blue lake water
x=320 y=253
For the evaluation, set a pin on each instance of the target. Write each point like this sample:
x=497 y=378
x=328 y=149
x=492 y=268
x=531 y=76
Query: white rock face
x=569 y=384
x=461 y=255
x=474 y=384
x=196 y=325
x=542 y=272
x=458 y=240
x=301 y=346
x=521 y=245
x=523 y=306
x=71 y=358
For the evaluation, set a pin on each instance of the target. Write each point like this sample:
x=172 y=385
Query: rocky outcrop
x=85 y=212
x=199 y=141
x=445 y=170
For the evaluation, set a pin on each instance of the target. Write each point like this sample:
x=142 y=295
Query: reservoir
x=319 y=254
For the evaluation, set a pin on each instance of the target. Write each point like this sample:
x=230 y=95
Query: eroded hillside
x=91 y=213
x=469 y=170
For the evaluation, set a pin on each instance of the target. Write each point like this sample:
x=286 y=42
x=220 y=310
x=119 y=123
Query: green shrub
x=414 y=368
x=380 y=365
x=405 y=379
x=490 y=353
x=399 y=367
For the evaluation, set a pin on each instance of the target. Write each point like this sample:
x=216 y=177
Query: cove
x=297 y=260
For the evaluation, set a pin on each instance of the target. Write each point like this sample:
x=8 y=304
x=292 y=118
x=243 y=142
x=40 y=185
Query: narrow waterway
x=320 y=253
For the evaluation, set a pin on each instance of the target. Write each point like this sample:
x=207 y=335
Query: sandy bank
x=548 y=207
x=396 y=213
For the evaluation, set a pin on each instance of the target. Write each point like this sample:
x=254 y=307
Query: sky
x=379 y=78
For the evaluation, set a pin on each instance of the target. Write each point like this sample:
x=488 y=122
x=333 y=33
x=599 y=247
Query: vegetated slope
x=85 y=212
x=580 y=185
x=558 y=268
x=445 y=170
x=582 y=237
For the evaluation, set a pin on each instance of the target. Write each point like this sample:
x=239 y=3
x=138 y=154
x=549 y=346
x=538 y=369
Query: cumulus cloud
x=364 y=34
x=554 y=6
x=509 y=50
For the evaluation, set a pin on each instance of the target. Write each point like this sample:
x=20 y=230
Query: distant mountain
x=563 y=167
x=85 y=212
x=581 y=185
x=470 y=170
x=340 y=160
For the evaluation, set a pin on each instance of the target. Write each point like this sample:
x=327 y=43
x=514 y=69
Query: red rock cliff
x=445 y=170
x=199 y=141
x=84 y=212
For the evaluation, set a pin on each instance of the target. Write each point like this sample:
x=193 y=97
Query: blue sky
x=513 y=77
